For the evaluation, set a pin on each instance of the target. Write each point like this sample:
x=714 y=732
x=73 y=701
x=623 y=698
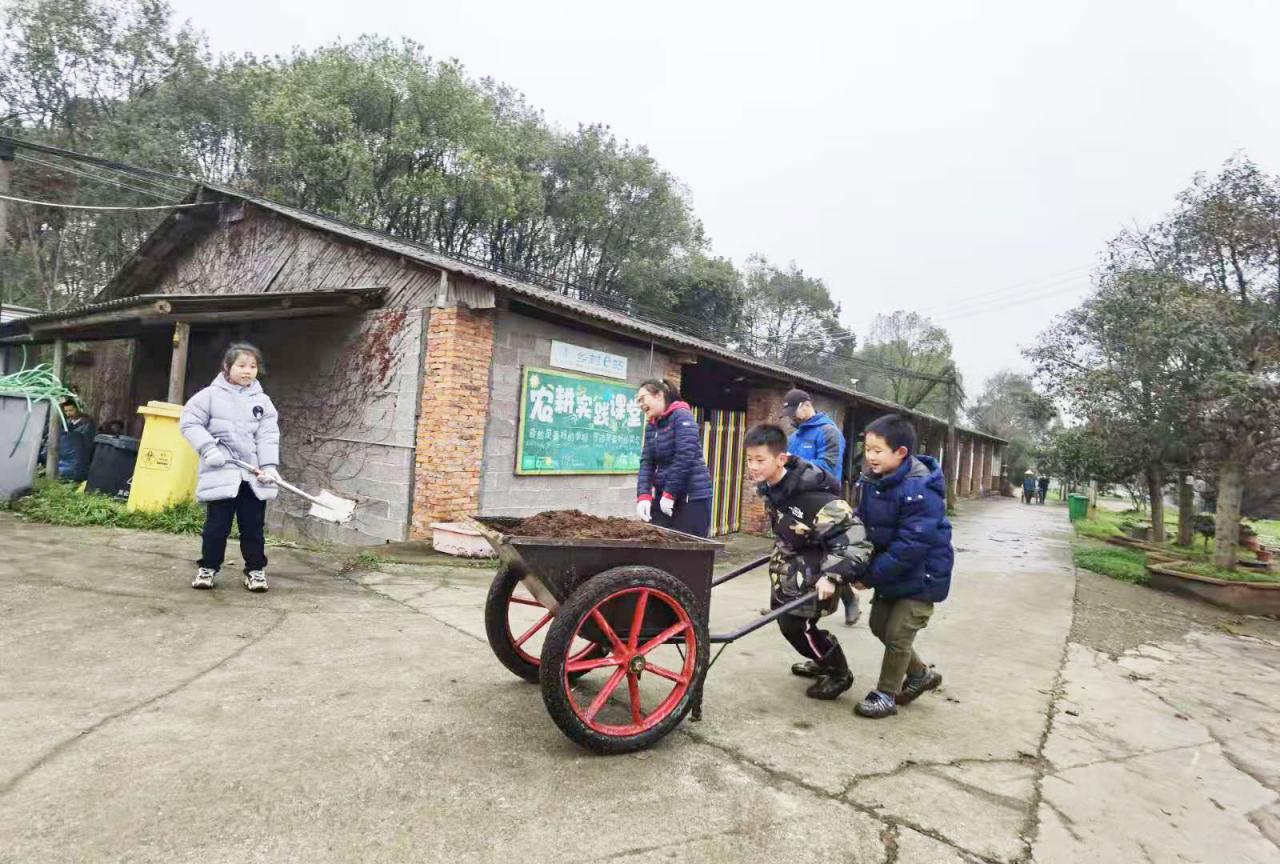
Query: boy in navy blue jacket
x=904 y=509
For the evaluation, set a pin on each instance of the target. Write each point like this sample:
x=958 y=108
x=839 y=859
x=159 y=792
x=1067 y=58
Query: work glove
x=667 y=504
x=214 y=457
x=644 y=509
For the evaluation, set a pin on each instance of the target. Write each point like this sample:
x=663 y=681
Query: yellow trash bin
x=166 y=470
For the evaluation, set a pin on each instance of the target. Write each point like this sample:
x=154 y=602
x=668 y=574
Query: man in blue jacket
x=818 y=440
x=904 y=509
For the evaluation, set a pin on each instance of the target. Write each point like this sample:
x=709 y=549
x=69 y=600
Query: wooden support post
x=55 y=422
x=178 y=362
x=951 y=459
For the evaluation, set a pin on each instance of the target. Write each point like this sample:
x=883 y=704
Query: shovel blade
x=331 y=508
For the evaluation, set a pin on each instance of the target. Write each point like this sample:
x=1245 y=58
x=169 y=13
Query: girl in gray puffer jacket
x=233 y=417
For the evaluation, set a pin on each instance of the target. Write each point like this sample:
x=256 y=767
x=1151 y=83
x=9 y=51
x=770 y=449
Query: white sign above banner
x=589 y=360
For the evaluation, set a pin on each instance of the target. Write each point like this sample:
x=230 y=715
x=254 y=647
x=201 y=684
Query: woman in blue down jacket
x=672 y=469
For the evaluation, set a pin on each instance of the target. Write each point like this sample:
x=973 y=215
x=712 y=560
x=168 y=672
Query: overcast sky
x=964 y=159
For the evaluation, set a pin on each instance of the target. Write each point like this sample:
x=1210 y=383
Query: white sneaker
x=203 y=578
x=255 y=580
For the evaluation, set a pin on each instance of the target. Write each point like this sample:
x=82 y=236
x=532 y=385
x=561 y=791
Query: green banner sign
x=575 y=424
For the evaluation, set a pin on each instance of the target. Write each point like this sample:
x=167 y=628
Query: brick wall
x=521 y=341
x=452 y=417
x=762 y=407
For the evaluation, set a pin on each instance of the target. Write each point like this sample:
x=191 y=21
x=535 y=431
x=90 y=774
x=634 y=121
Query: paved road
x=360 y=716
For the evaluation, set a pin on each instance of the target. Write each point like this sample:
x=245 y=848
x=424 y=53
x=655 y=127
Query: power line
x=1020 y=288
x=94 y=177
x=1044 y=295
x=99 y=208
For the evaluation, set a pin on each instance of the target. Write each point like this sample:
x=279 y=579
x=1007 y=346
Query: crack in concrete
x=1116 y=760
x=778 y=776
x=65 y=744
x=740 y=831
x=1030 y=831
x=889 y=839
x=911 y=765
x=1217 y=739
x=1067 y=822
x=347 y=578
x=996 y=798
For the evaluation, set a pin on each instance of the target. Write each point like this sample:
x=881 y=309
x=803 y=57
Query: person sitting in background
x=75 y=443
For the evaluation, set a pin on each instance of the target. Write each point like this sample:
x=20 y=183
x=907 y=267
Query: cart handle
x=774 y=615
x=745 y=568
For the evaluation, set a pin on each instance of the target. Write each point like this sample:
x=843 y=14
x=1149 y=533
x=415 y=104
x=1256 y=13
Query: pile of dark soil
x=571 y=524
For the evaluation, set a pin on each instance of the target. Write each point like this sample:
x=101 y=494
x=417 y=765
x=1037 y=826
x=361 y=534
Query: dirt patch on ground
x=568 y=524
x=1113 y=616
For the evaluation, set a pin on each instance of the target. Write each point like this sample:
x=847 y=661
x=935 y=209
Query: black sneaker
x=915 y=686
x=830 y=686
x=808 y=669
x=876 y=706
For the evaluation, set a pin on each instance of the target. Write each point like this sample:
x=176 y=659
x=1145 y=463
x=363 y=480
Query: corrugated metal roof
x=548 y=298
x=9 y=312
x=175 y=306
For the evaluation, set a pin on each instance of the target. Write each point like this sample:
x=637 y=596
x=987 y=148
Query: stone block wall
x=347 y=393
x=520 y=341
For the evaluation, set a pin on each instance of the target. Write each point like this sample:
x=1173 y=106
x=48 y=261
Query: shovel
x=326 y=505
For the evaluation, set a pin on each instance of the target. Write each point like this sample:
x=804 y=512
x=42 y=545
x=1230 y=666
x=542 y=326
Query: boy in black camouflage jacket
x=819 y=545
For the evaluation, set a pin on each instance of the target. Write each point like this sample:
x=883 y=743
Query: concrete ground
x=358 y=715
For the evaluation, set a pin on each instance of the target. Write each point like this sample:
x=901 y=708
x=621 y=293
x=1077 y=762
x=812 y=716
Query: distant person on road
x=1042 y=488
x=1028 y=487
x=818 y=440
x=233 y=418
x=819 y=545
x=904 y=509
x=672 y=469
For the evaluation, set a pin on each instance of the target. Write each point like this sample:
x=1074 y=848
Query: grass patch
x=1102 y=524
x=1126 y=565
x=1241 y=575
x=1268 y=530
x=61 y=504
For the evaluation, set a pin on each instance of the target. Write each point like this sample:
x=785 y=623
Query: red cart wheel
x=516 y=625
x=657 y=640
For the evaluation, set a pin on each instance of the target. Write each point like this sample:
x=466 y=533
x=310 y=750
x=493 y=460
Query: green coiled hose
x=36 y=385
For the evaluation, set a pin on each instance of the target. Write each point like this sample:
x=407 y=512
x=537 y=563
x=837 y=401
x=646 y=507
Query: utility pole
x=6 y=183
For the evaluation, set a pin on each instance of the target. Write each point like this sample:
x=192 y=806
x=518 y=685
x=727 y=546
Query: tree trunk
x=1155 y=491
x=1186 y=511
x=1226 y=534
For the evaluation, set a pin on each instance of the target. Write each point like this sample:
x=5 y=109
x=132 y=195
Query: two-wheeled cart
x=623 y=624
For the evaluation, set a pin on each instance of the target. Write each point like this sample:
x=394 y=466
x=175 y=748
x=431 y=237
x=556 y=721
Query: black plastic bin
x=111 y=470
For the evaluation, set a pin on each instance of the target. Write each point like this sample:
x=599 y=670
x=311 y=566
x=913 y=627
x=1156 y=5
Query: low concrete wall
x=1250 y=598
